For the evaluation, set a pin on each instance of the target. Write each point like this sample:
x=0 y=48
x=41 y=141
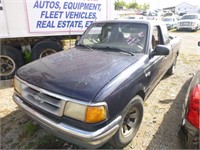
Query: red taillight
x=193 y=115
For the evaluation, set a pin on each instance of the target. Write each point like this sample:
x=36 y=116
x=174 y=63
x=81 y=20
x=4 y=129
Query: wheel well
x=141 y=94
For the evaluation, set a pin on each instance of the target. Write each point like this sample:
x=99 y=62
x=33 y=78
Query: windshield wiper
x=86 y=46
x=119 y=49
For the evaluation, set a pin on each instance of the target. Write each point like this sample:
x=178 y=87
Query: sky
x=154 y=4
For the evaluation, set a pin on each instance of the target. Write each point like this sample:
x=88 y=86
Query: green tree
x=120 y=4
x=133 y=5
x=140 y=7
x=145 y=6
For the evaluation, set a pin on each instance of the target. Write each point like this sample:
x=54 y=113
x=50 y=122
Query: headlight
x=193 y=23
x=85 y=113
x=74 y=110
x=17 y=85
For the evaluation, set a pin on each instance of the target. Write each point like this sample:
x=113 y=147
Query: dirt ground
x=162 y=116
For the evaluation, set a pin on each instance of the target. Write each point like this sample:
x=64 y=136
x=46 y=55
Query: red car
x=190 y=126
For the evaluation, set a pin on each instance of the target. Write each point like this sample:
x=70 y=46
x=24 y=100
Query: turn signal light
x=193 y=115
x=95 y=114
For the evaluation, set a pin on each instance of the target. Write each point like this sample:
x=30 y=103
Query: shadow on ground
x=166 y=136
x=184 y=31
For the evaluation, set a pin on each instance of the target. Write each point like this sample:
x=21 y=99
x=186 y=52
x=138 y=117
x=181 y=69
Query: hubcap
x=130 y=122
x=47 y=52
x=7 y=65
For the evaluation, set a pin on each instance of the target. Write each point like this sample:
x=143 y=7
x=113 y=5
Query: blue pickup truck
x=94 y=93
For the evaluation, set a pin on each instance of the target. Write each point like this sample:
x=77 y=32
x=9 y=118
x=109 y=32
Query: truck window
x=156 y=37
x=165 y=34
x=160 y=36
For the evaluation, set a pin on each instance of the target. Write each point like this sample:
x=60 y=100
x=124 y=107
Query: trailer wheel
x=44 y=48
x=10 y=60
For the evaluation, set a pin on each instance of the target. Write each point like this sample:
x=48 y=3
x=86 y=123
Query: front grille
x=185 y=23
x=43 y=100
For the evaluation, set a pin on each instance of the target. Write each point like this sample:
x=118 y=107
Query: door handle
x=147 y=73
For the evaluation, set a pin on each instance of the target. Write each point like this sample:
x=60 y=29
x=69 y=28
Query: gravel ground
x=161 y=120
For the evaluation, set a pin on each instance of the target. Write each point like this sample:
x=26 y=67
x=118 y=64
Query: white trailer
x=31 y=29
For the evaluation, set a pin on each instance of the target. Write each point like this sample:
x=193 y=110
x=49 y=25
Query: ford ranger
x=94 y=93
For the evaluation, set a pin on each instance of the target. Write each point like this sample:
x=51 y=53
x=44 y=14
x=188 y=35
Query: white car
x=170 y=21
x=136 y=17
x=153 y=16
x=189 y=22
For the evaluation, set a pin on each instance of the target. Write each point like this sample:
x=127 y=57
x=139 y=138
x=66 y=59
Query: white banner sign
x=3 y=24
x=64 y=15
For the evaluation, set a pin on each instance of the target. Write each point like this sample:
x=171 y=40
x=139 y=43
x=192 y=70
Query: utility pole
x=158 y=4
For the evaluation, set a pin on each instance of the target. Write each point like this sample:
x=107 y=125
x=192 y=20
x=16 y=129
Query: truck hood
x=189 y=20
x=77 y=73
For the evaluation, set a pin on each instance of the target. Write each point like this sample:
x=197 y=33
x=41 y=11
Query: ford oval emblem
x=38 y=99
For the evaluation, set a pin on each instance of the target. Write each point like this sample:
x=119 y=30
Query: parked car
x=182 y=13
x=94 y=93
x=168 y=14
x=153 y=15
x=190 y=125
x=170 y=21
x=189 y=22
x=136 y=17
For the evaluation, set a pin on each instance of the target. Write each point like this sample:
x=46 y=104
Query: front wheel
x=131 y=120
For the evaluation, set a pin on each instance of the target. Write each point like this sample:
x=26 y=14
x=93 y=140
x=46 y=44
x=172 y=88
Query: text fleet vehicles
x=31 y=29
x=189 y=22
x=94 y=92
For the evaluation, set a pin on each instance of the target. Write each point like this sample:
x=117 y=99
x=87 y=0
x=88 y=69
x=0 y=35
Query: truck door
x=157 y=64
x=161 y=38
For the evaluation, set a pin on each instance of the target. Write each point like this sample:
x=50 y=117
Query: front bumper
x=187 y=28
x=77 y=136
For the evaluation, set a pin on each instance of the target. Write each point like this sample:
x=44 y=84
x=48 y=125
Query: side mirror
x=199 y=43
x=161 y=50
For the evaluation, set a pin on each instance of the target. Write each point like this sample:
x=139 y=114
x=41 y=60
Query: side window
x=156 y=34
x=165 y=34
x=160 y=36
x=155 y=37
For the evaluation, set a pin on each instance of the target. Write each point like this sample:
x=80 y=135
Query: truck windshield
x=189 y=17
x=130 y=37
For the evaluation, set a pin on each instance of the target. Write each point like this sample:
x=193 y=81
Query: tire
x=44 y=48
x=10 y=60
x=171 y=70
x=131 y=119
